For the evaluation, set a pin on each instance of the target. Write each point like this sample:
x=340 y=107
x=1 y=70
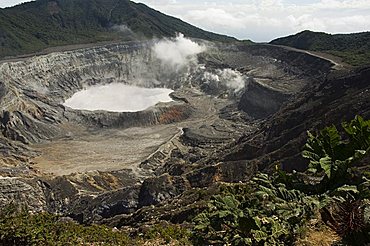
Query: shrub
x=276 y=210
x=18 y=227
x=333 y=156
x=260 y=212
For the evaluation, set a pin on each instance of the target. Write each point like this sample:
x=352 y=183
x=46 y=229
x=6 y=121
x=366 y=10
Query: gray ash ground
x=93 y=165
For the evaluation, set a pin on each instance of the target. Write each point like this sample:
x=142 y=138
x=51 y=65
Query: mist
x=178 y=52
x=118 y=97
x=122 y=29
x=232 y=79
x=125 y=32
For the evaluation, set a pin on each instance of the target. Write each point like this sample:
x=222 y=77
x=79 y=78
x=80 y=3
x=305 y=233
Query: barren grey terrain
x=97 y=164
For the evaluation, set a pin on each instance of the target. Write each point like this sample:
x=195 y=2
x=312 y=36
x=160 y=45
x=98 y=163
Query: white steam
x=177 y=52
x=122 y=29
x=232 y=79
x=118 y=97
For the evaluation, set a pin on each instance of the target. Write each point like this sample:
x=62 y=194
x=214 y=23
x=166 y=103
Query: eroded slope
x=115 y=163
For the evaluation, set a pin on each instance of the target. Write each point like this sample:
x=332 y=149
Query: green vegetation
x=22 y=228
x=168 y=234
x=354 y=48
x=33 y=26
x=333 y=156
x=277 y=209
x=262 y=212
x=330 y=203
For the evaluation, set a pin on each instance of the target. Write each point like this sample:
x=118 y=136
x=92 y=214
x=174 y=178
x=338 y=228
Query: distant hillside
x=33 y=26
x=353 y=48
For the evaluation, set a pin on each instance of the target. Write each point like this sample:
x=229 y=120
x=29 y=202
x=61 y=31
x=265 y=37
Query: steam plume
x=177 y=52
x=231 y=78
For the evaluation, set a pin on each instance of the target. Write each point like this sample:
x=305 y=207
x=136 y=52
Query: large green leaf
x=348 y=188
x=312 y=156
x=358 y=131
x=367 y=213
x=259 y=235
x=330 y=139
x=329 y=153
x=326 y=164
x=364 y=188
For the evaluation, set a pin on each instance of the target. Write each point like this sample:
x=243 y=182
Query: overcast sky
x=264 y=20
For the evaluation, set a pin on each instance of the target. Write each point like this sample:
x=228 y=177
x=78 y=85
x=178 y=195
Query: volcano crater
x=220 y=93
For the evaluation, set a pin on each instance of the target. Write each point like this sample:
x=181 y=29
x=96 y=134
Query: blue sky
x=264 y=20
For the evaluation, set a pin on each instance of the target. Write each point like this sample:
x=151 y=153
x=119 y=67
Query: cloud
x=346 y=4
x=9 y=3
x=215 y=17
x=265 y=20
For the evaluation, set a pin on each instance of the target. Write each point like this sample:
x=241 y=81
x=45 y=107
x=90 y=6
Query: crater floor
x=107 y=150
x=83 y=150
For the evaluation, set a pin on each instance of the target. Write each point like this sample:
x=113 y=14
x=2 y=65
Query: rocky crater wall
x=275 y=75
x=33 y=90
x=262 y=79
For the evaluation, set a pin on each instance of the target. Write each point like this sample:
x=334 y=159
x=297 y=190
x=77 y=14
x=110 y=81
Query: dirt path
x=337 y=62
